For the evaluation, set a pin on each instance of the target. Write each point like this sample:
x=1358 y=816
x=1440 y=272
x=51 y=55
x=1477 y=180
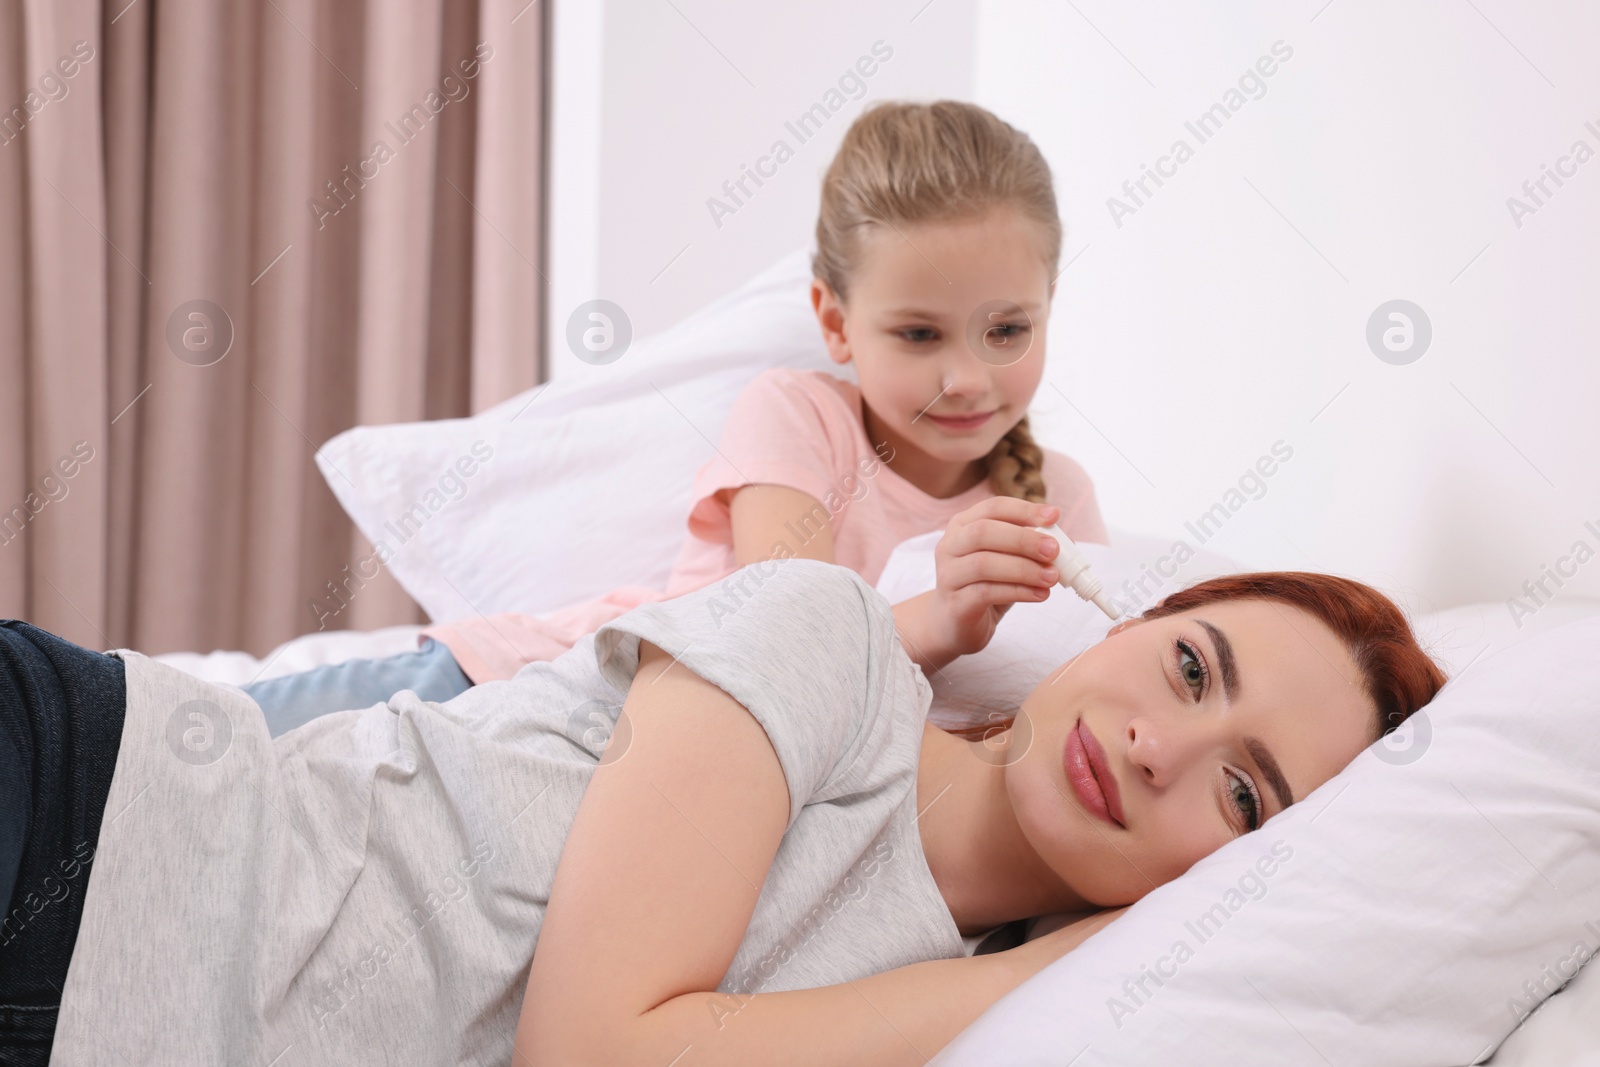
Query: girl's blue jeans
x=431 y=672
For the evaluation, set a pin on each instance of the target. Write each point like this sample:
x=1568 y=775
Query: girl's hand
x=987 y=560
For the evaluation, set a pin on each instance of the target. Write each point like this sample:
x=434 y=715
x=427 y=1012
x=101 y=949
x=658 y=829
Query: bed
x=555 y=451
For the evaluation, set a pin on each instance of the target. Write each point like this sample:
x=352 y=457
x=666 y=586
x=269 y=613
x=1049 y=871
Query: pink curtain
x=229 y=231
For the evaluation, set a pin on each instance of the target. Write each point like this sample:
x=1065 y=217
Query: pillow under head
x=1410 y=911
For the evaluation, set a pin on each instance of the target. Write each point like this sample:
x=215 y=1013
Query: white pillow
x=1562 y=1032
x=571 y=489
x=1034 y=639
x=1391 y=917
x=1458 y=638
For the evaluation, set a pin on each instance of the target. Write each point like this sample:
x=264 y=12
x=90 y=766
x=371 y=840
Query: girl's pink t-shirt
x=802 y=429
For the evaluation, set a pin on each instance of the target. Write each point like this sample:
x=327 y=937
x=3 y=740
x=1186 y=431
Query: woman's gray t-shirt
x=369 y=888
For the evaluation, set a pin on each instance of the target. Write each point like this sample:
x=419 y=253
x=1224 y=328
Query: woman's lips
x=965 y=422
x=1090 y=775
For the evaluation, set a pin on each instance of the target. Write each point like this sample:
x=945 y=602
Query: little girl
x=937 y=247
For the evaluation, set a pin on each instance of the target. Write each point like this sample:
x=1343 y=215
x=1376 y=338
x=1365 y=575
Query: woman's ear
x=830 y=316
x=1121 y=626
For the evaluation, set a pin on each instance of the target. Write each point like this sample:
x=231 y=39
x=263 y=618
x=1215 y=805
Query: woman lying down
x=768 y=857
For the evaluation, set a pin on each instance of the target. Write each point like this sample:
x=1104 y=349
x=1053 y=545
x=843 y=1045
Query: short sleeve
x=1071 y=489
x=798 y=642
x=786 y=428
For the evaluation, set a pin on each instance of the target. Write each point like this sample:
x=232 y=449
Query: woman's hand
x=987 y=560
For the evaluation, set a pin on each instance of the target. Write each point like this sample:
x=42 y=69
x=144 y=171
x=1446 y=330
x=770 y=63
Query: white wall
x=657 y=104
x=577 y=53
x=1230 y=310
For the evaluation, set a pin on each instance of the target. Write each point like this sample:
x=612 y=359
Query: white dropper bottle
x=1076 y=575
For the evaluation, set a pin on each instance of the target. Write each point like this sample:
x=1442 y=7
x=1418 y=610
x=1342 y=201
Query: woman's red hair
x=1398 y=675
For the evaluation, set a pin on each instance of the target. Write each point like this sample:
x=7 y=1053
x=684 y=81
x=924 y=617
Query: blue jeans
x=431 y=672
x=61 y=713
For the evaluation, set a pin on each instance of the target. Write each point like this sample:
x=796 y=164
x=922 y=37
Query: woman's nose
x=1160 y=748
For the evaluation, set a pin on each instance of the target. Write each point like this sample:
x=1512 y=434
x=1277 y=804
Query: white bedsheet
x=300 y=654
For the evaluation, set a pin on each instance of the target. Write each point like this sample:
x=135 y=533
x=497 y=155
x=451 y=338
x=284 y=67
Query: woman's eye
x=1242 y=794
x=1191 y=669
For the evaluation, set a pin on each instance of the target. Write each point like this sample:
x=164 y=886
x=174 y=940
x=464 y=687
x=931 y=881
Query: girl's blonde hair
x=907 y=163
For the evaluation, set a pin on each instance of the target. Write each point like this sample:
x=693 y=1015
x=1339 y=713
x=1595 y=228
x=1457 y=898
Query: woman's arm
x=765 y=516
x=656 y=886
x=899 y=1017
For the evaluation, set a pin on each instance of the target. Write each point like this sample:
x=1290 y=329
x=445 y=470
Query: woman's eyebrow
x=1225 y=660
x=1270 y=770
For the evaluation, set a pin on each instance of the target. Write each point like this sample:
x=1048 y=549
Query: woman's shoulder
x=785 y=597
x=778 y=618
x=799 y=642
